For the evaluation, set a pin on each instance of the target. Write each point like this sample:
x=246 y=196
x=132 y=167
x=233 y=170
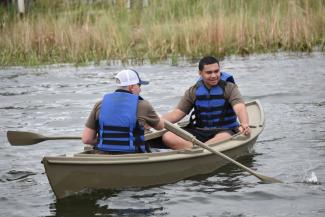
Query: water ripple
x=14 y=175
x=14 y=93
x=272 y=140
x=273 y=95
x=11 y=107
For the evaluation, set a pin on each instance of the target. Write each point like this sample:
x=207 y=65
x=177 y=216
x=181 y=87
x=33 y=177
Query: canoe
x=86 y=171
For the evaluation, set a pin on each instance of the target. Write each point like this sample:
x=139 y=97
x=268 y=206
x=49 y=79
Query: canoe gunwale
x=234 y=142
x=173 y=155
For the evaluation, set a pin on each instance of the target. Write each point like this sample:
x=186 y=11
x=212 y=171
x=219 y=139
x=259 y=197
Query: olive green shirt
x=145 y=115
x=231 y=94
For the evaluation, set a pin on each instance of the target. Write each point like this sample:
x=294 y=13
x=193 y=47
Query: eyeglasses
x=139 y=84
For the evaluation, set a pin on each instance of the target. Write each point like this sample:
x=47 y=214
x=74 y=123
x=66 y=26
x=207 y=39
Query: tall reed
x=66 y=31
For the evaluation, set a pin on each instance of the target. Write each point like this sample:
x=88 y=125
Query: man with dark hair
x=217 y=104
x=116 y=123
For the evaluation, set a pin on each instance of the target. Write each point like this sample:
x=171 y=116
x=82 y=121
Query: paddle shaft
x=61 y=137
x=45 y=138
x=189 y=137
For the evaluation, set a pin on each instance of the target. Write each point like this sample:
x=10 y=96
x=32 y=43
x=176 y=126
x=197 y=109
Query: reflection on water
x=228 y=178
x=103 y=204
x=80 y=205
x=56 y=100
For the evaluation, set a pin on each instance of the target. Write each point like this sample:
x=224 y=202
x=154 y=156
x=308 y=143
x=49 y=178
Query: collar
x=123 y=91
x=126 y=91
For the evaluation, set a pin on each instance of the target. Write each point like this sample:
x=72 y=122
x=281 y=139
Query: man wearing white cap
x=116 y=123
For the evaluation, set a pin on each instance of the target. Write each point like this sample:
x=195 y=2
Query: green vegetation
x=69 y=32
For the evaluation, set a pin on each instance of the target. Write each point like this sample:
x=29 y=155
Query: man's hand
x=244 y=129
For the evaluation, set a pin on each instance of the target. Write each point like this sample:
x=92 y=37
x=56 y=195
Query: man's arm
x=174 y=115
x=160 y=125
x=184 y=106
x=241 y=112
x=89 y=136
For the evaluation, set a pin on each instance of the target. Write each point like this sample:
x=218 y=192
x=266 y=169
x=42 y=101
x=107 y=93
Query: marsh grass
x=66 y=31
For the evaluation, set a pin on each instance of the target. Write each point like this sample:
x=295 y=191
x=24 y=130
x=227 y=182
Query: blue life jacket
x=211 y=109
x=119 y=130
x=225 y=76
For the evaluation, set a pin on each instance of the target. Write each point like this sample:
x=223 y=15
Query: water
x=56 y=100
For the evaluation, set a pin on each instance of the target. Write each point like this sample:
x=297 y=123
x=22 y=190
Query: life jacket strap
x=209 y=97
x=210 y=109
x=116 y=128
x=115 y=135
x=115 y=142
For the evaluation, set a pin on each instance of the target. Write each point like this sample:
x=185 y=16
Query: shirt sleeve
x=232 y=94
x=147 y=114
x=187 y=101
x=92 y=121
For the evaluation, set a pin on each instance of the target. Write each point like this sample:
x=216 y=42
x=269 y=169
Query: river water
x=56 y=100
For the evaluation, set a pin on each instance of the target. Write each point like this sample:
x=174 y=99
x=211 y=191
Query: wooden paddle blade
x=20 y=138
x=268 y=180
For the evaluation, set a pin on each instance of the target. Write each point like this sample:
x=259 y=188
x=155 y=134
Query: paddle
x=189 y=137
x=20 y=138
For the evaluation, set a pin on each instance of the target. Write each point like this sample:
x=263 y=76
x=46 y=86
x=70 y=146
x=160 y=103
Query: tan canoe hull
x=70 y=175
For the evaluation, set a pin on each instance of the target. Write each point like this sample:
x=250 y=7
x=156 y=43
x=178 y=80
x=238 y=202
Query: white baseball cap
x=129 y=77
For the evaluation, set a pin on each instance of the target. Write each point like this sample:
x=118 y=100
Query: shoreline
x=182 y=61
x=168 y=29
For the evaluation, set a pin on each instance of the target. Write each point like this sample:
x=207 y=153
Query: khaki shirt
x=231 y=94
x=145 y=115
